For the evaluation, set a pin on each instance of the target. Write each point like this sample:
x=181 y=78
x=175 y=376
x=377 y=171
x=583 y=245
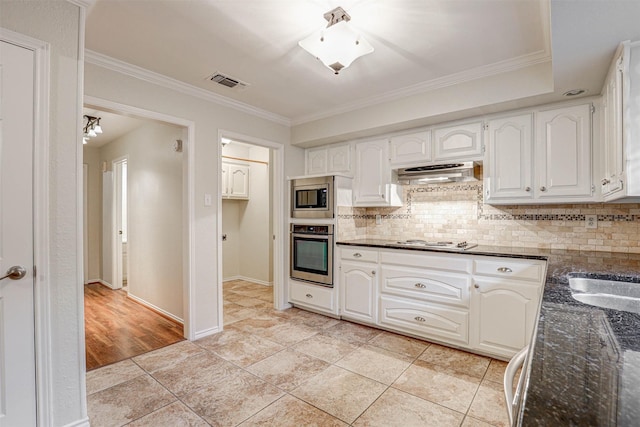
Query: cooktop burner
x=424 y=243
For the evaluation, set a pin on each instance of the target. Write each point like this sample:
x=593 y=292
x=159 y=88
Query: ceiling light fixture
x=337 y=45
x=224 y=141
x=92 y=128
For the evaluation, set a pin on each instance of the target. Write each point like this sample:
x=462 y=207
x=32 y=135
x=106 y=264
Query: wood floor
x=117 y=328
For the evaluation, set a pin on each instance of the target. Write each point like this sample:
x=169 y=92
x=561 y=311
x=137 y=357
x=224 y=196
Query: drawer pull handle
x=357 y=255
x=476 y=286
x=420 y=285
x=420 y=319
x=309 y=296
x=505 y=270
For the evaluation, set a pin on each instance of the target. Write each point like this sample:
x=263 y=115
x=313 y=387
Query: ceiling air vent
x=227 y=81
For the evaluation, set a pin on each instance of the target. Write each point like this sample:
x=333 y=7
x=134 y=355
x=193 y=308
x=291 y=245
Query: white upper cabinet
x=372 y=183
x=235 y=181
x=621 y=97
x=612 y=158
x=410 y=149
x=328 y=159
x=555 y=167
x=509 y=158
x=316 y=160
x=563 y=153
x=459 y=142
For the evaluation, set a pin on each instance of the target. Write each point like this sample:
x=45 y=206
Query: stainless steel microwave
x=312 y=197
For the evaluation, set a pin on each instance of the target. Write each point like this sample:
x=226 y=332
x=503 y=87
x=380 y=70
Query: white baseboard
x=206 y=332
x=102 y=282
x=248 y=279
x=80 y=423
x=154 y=308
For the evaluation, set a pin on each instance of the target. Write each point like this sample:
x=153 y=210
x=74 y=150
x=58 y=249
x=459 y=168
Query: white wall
x=60 y=23
x=155 y=213
x=209 y=118
x=248 y=251
x=91 y=157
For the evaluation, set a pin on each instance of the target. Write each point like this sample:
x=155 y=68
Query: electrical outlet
x=378 y=219
x=591 y=221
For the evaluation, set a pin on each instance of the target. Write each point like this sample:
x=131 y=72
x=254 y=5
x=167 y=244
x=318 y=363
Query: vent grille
x=227 y=81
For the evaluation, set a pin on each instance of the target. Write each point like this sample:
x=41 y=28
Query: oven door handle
x=315 y=236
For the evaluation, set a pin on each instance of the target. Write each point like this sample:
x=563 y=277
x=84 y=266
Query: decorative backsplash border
x=477 y=190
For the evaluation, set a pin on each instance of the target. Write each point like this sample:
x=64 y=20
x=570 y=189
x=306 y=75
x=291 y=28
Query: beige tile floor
x=296 y=368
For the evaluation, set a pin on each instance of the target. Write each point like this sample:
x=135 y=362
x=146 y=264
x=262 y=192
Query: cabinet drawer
x=313 y=296
x=425 y=320
x=508 y=268
x=457 y=263
x=433 y=286
x=359 y=254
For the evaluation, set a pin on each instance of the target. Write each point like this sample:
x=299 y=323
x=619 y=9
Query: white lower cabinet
x=481 y=303
x=314 y=297
x=504 y=315
x=425 y=320
x=358 y=291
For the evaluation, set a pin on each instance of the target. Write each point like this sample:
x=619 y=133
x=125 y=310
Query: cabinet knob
x=420 y=285
x=476 y=286
x=505 y=270
x=373 y=272
x=527 y=189
x=309 y=296
x=543 y=188
x=420 y=319
x=605 y=181
x=357 y=255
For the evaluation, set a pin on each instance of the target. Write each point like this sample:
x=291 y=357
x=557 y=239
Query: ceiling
x=418 y=43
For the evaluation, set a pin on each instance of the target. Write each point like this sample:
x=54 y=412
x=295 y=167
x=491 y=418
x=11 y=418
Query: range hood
x=445 y=172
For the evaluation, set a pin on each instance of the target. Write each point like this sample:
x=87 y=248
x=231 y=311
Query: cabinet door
x=460 y=142
x=316 y=161
x=612 y=115
x=358 y=284
x=373 y=173
x=510 y=158
x=238 y=181
x=225 y=179
x=339 y=159
x=411 y=149
x=563 y=147
x=504 y=314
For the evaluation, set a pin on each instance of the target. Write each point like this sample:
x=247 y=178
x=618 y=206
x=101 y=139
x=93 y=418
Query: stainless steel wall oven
x=312 y=253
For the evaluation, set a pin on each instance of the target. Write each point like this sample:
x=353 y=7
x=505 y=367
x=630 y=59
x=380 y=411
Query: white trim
x=42 y=298
x=85 y=221
x=105 y=283
x=521 y=62
x=248 y=279
x=152 y=77
x=80 y=423
x=155 y=308
x=207 y=332
x=279 y=219
x=116 y=247
x=189 y=289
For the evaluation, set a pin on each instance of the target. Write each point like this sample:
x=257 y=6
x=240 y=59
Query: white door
x=17 y=349
x=120 y=236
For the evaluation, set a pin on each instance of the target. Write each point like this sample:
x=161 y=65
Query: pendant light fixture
x=337 y=45
x=92 y=128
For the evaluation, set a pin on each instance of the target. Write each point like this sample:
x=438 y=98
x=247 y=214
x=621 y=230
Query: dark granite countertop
x=584 y=361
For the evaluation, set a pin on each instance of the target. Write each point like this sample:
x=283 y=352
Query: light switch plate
x=208 y=200
x=591 y=221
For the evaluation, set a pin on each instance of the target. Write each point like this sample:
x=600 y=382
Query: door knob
x=15 y=273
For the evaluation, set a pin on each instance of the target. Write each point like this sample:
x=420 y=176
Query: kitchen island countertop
x=584 y=362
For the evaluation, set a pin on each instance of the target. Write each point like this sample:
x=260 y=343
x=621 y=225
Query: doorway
x=251 y=226
x=140 y=184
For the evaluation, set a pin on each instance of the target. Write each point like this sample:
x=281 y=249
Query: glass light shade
x=336 y=46
x=97 y=129
x=84 y=140
x=92 y=133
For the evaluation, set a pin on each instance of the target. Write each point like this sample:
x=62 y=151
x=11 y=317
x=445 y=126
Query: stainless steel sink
x=613 y=294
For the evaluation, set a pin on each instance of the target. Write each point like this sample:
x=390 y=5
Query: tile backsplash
x=456 y=212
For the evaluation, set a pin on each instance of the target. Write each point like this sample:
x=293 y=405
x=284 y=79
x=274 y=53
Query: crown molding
x=152 y=77
x=513 y=64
